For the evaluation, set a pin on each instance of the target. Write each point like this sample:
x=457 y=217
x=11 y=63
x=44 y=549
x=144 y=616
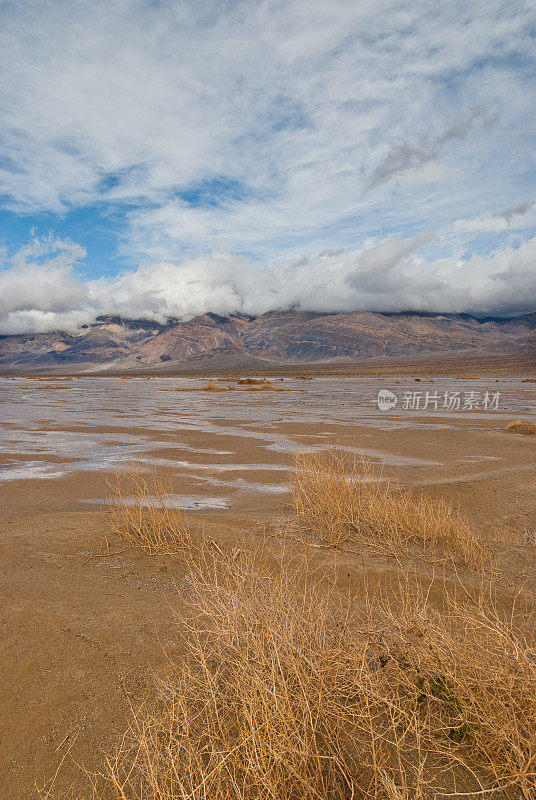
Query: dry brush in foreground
x=291 y=690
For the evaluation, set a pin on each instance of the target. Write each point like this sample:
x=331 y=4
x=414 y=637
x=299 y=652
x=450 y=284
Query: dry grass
x=143 y=514
x=49 y=386
x=291 y=691
x=248 y=385
x=265 y=386
x=213 y=387
x=476 y=671
x=339 y=499
x=467 y=675
x=522 y=426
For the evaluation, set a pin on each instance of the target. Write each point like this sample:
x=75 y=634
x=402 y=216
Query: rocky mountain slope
x=277 y=336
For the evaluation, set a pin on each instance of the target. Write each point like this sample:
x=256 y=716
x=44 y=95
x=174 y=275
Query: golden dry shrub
x=213 y=387
x=339 y=498
x=49 y=386
x=142 y=512
x=468 y=672
x=290 y=690
x=522 y=426
x=264 y=386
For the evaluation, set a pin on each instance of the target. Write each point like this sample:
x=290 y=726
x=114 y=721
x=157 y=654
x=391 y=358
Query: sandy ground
x=85 y=631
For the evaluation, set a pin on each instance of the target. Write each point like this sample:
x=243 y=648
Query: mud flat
x=85 y=629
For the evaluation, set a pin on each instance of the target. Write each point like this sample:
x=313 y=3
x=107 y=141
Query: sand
x=85 y=630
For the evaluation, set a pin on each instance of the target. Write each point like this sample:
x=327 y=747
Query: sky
x=161 y=158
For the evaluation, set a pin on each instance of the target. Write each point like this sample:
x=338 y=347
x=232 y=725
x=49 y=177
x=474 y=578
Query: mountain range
x=277 y=337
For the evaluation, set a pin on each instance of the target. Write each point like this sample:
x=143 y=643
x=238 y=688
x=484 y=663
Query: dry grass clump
x=290 y=691
x=339 y=498
x=49 y=386
x=142 y=513
x=264 y=386
x=468 y=674
x=249 y=384
x=522 y=426
x=213 y=387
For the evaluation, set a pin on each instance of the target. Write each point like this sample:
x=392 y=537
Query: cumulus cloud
x=41 y=291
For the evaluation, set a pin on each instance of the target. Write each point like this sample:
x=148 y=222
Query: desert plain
x=89 y=623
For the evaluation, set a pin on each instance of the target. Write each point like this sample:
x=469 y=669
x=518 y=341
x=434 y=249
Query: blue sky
x=182 y=157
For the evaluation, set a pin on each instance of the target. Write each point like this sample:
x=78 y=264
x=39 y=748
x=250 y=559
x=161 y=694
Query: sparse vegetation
x=264 y=386
x=247 y=385
x=49 y=386
x=340 y=499
x=142 y=513
x=290 y=690
x=522 y=426
x=213 y=387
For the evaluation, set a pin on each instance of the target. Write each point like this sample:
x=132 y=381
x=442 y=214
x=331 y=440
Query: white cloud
x=134 y=102
x=256 y=127
x=405 y=157
x=40 y=290
x=519 y=216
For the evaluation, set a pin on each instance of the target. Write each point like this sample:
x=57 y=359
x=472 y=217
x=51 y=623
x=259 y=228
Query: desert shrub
x=264 y=386
x=469 y=673
x=213 y=387
x=522 y=426
x=142 y=512
x=290 y=690
x=339 y=498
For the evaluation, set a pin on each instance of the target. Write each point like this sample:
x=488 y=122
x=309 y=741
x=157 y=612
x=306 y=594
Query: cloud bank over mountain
x=40 y=289
x=198 y=152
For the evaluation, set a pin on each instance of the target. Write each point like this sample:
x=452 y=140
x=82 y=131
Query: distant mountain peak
x=279 y=335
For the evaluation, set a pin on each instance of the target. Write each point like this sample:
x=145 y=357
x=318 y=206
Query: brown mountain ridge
x=289 y=336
